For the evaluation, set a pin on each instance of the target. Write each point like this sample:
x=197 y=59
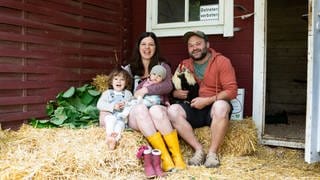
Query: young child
x=113 y=101
x=157 y=75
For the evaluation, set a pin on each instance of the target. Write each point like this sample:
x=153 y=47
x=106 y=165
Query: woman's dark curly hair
x=136 y=65
x=121 y=72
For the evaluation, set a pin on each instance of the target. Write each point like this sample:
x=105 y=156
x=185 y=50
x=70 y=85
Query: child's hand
x=167 y=103
x=119 y=106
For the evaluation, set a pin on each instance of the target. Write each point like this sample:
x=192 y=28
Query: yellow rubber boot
x=172 y=142
x=157 y=142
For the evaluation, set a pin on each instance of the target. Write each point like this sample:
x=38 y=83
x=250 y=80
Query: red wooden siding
x=48 y=46
x=238 y=48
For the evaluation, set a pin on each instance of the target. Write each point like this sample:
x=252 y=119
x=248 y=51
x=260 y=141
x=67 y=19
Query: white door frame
x=259 y=76
x=312 y=147
x=259 y=66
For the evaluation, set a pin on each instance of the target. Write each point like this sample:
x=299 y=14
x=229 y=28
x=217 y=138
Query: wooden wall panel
x=287 y=47
x=48 y=46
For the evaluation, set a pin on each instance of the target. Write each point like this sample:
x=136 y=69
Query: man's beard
x=203 y=54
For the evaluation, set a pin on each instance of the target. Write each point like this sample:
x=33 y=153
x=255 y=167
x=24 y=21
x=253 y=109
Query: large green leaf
x=76 y=102
x=72 y=112
x=54 y=120
x=95 y=101
x=65 y=102
x=93 y=92
x=92 y=111
x=83 y=88
x=59 y=116
x=41 y=123
x=85 y=118
x=69 y=125
x=74 y=108
x=70 y=92
x=59 y=96
x=86 y=98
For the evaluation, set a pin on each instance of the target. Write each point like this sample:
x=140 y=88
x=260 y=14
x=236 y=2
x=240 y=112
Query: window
x=175 y=17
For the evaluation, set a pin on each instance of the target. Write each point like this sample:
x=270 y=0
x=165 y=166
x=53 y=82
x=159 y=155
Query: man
x=216 y=77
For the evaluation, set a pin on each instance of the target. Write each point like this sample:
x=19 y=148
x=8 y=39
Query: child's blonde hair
x=124 y=73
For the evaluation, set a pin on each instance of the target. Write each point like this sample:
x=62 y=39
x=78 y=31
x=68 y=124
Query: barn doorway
x=286 y=72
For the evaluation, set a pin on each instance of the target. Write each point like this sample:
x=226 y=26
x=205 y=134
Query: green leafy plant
x=74 y=108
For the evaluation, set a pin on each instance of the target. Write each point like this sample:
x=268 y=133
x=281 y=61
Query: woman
x=153 y=123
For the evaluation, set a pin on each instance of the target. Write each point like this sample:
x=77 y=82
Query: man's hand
x=200 y=102
x=141 y=92
x=180 y=94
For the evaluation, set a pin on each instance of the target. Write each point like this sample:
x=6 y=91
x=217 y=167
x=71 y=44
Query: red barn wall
x=238 y=48
x=48 y=46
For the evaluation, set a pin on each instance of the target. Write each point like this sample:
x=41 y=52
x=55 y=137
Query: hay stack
x=241 y=139
x=100 y=82
x=67 y=154
x=82 y=154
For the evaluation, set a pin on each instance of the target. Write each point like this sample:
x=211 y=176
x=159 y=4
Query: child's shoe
x=147 y=160
x=156 y=162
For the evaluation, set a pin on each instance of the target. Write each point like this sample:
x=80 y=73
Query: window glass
x=170 y=11
x=203 y=10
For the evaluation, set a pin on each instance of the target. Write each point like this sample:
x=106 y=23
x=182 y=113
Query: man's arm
x=180 y=94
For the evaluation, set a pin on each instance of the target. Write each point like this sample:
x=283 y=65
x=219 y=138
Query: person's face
x=155 y=78
x=197 y=48
x=147 y=48
x=118 y=82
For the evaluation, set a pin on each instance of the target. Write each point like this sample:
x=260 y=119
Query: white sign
x=237 y=104
x=209 y=12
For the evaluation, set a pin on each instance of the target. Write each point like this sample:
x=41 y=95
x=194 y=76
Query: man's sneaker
x=197 y=159
x=212 y=160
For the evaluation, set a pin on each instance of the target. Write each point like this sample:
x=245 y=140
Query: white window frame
x=222 y=26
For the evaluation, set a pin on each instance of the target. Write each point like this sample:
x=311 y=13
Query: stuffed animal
x=184 y=79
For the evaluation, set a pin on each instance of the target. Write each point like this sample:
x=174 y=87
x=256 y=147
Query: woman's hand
x=141 y=92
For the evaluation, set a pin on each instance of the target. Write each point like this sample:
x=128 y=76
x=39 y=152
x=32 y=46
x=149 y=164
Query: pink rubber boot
x=156 y=162
x=147 y=159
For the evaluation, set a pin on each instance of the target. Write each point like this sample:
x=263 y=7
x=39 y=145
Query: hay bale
x=100 y=82
x=241 y=139
x=62 y=153
x=83 y=154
